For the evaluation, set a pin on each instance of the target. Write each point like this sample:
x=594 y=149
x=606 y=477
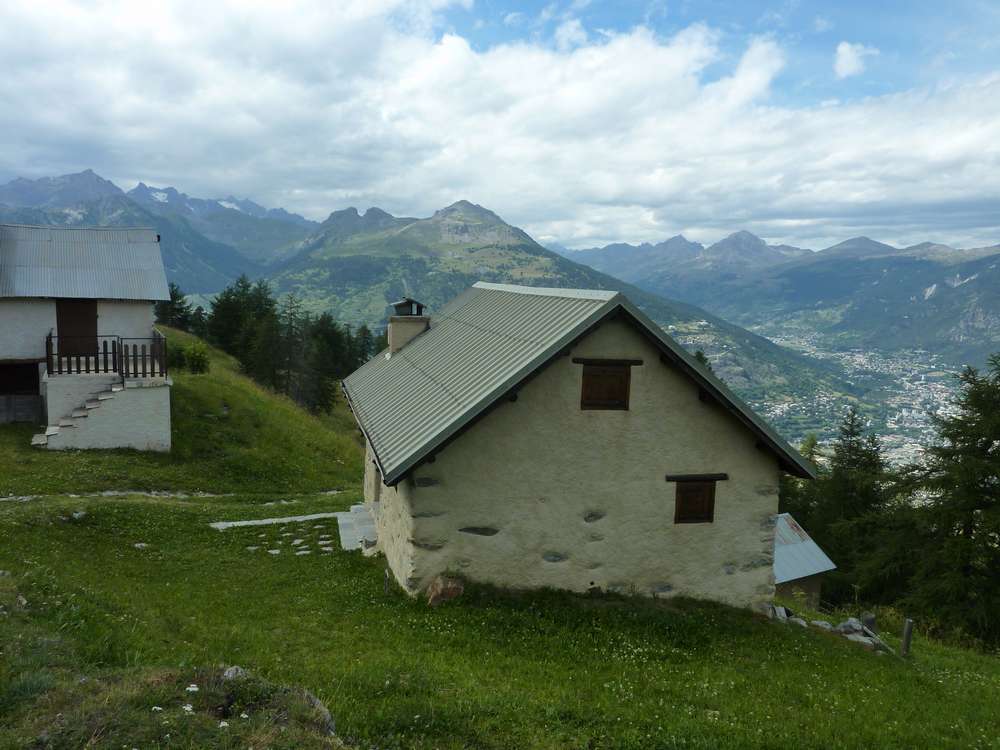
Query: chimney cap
x=408 y=306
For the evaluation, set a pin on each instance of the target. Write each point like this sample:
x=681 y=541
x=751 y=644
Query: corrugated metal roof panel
x=796 y=555
x=89 y=263
x=479 y=346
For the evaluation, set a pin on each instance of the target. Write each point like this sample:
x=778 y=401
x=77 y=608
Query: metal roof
x=796 y=555
x=479 y=347
x=85 y=263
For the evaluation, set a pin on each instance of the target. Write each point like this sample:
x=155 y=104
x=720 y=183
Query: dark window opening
x=605 y=386
x=20 y=379
x=695 y=502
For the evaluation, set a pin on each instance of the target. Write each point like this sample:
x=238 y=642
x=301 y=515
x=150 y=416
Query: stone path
x=357 y=531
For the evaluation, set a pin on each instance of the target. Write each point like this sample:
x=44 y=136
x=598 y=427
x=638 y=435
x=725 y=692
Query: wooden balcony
x=106 y=355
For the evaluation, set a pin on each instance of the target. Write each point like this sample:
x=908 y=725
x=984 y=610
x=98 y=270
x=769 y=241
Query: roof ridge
x=602 y=295
x=77 y=229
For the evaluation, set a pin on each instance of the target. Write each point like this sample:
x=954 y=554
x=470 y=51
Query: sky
x=583 y=122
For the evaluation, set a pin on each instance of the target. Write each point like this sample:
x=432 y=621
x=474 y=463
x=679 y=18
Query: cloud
x=822 y=24
x=570 y=34
x=627 y=136
x=849 y=60
x=513 y=19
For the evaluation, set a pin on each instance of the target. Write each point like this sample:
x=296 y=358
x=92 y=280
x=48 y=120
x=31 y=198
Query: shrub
x=196 y=357
x=175 y=357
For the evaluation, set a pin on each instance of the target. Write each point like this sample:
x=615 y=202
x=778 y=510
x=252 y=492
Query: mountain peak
x=65 y=190
x=467 y=210
x=858 y=247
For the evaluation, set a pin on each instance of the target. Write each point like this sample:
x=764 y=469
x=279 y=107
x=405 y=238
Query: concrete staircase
x=74 y=420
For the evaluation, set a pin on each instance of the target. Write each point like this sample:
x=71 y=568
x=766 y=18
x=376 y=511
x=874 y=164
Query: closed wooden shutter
x=605 y=387
x=695 y=502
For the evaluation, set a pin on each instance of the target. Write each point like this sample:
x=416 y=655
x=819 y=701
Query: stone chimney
x=407 y=323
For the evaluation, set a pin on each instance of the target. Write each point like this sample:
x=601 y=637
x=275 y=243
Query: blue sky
x=582 y=122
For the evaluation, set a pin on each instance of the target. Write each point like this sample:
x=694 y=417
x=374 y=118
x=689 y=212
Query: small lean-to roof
x=796 y=555
x=82 y=263
x=481 y=346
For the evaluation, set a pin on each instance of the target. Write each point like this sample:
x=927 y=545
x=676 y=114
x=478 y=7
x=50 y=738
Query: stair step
x=117 y=388
x=105 y=396
x=66 y=422
x=92 y=404
x=78 y=413
x=51 y=430
x=39 y=439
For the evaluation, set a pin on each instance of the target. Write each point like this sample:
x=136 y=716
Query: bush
x=175 y=357
x=196 y=357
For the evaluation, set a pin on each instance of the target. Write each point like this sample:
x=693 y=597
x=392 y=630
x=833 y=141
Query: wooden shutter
x=605 y=387
x=695 y=502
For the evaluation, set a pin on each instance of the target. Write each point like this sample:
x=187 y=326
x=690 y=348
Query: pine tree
x=174 y=312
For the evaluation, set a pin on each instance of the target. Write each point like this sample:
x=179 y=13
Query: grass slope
x=491 y=670
x=229 y=435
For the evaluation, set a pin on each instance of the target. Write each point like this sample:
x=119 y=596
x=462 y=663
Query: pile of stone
x=857 y=631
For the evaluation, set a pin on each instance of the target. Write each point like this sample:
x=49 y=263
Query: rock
x=4 y=574
x=821 y=624
x=79 y=515
x=443 y=589
x=21 y=602
x=861 y=640
x=798 y=621
x=554 y=557
x=326 y=720
x=848 y=626
x=140 y=545
x=594 y=515
x=781 y=614
x=234 y=673
x=868 y=620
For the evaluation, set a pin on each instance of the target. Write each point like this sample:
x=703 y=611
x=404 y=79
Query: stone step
x=39 y=439
x=104 y=396
x=51 y=430
x=64 y=422
x=117 y=388
x=92 y=404
x=79 y=413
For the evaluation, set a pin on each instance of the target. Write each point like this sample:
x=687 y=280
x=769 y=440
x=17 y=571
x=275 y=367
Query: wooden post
x=904 y=647
x=135 y=360
x=144 y=360
x=104 y=346
x=48 y=354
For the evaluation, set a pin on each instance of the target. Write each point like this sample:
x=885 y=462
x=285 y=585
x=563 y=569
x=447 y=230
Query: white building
x=78 y=349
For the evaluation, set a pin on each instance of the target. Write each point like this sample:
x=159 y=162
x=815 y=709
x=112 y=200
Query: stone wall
x=64 y=393
x=137 y=417
x=540 y=493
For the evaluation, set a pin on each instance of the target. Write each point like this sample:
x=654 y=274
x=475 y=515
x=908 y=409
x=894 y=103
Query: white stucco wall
x=64 y=393
x=137 y=417
x=125 y=318
x=24 y=324
x=579 y=498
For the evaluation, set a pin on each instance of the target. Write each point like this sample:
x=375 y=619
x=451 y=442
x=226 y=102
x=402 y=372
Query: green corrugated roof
x=480 y=347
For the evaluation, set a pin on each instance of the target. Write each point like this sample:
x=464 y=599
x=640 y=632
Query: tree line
x=277 y=342
x=925 y=537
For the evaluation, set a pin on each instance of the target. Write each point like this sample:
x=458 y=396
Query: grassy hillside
x=229 y=435
x=113 y=606
x=491 y=670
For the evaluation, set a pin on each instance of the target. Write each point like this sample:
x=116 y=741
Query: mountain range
x=354 y=264
x=857 y=293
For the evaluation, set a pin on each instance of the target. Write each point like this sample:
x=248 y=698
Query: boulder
x=848 y=626
x=234 y=673
x=821 y=624
x=868 y=620
x=325 y=719
x=798 y=621
x=443 y=589
x=862 y=640
x=781 y=613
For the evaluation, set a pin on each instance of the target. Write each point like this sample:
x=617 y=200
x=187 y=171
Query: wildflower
x=244 y=715
x=192 y=688
x=157 y=708
x=188 y=708
x=223 y=724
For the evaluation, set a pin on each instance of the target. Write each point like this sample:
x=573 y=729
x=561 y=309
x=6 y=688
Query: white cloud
x=630 y=136
x=570 y=34
x=822 y=24
x=513 y=19
x=849 y=60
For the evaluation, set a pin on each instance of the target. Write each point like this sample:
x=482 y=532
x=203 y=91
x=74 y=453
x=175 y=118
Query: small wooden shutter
x=605 y=387
x=695 y=502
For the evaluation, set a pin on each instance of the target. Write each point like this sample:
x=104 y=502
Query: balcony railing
x=126 y=357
